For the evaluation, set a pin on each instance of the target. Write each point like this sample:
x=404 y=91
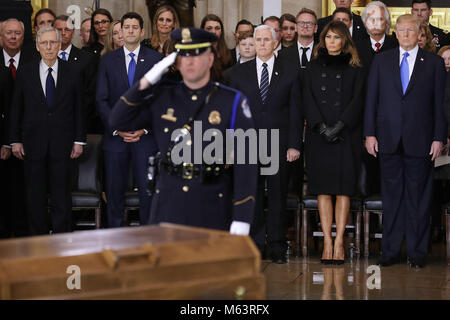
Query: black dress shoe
x=417 y=263
x=388 y=261
x=338 y=262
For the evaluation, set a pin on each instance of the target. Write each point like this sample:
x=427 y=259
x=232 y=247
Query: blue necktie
x=131 y=69
x=264 y=87
x=50 y=88
x=63 y=53
x=404 y=72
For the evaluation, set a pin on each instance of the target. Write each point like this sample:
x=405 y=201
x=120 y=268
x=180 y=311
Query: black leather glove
x=320 y=128
x=331 y=134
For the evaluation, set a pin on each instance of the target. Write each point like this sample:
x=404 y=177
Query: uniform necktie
x=50 y=88
x=63 y=55
x=13 y=68
x=131 y=69
x=264 y=87
x=304 y=57
x=378 y=45
x=404 y=72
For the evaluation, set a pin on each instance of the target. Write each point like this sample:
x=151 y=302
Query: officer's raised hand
x=154 y=74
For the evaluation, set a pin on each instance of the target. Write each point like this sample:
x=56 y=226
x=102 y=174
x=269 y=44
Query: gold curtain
x=37 y=5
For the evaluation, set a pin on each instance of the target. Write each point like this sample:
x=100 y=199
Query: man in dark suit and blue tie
x=47 y=130
x=405 y=127
x=118 y=71
x=273 y=89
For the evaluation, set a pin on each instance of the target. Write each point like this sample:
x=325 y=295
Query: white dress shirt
x=308 y=53
x=238 y=54
x=67 y=51
x=278 y=49
x=411 y=58
x=43 y=73
x=259 y=68
x=351 y=29
x=128 y=58
x=8 y=57
x=381 y=42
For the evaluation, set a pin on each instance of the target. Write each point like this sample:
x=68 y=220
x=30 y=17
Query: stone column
x=230 y=19
x=200 y=11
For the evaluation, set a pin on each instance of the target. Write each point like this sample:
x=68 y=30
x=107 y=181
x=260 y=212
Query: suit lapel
x=418 y=70
x=396 y=70
x=140 y=66
x=254 y=80
x=73 y=56
x=36 y=79
x=122 y=68
x=60 y=81
x=274 y=80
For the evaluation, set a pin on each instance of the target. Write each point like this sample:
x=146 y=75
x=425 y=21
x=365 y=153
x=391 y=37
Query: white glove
x=155 y=73
x=240 y=228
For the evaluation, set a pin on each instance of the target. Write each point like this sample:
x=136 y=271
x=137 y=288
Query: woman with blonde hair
x=114 y=38
x=333 y=105
x=164 y=22
x=426 y=38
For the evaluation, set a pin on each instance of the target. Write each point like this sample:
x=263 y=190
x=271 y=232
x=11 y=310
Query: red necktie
x=378 y=45
x=13 y=68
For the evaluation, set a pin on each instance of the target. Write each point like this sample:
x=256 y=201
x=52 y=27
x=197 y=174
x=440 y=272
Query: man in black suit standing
x=357 y=30
x=85 y=63
x=118 y=71
x=422 y=10
x=14 y=57
x=272 y=88
x=47 y=130
x=300 y=52
x=405 y=126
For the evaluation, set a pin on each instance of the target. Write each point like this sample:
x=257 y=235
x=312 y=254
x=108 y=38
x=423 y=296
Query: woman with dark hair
x=334 y=100
x=213 y=24
x=164 y=21
x=288 y=30
x=100 y=22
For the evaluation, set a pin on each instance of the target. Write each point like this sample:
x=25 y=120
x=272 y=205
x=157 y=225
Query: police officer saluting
x=207 y=192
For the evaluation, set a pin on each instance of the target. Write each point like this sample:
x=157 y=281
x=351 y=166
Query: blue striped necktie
x=264 y=87
x=131 y=69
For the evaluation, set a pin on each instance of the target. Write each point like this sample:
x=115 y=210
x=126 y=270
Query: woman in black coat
x=334 y=99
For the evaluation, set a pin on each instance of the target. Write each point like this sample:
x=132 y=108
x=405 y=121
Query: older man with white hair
x=272 y=88
x=47 y=130
x=377 y=20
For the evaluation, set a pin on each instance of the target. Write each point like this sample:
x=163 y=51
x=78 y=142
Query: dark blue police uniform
x=202 y=195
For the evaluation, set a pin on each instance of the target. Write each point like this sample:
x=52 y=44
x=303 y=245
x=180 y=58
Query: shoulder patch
x=246 y=109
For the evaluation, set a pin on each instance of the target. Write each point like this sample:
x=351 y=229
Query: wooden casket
x=149 y=262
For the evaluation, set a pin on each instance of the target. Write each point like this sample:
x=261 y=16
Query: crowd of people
x=345 y=96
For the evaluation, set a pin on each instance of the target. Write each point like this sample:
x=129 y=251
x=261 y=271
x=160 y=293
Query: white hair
x=383 y=7
x=12 y=19
x=266 y=27
x=47 y=29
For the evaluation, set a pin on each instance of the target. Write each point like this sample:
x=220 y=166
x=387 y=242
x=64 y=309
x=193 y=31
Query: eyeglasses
x=46 y=43
x=101 y=22
x=10 y=32
x=307 y=24
x=286 y=28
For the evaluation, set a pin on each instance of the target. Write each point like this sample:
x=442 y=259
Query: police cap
x=192 y=41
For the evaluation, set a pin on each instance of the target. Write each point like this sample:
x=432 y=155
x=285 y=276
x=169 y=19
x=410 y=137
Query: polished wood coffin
x=149 y=262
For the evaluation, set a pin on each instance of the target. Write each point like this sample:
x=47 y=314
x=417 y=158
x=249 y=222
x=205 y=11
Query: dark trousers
x=48 y=176
x=407 y=188
x=273 y=223
x=117 y=174
x=13 y=217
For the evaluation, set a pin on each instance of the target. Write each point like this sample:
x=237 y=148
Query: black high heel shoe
x=326 y=261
